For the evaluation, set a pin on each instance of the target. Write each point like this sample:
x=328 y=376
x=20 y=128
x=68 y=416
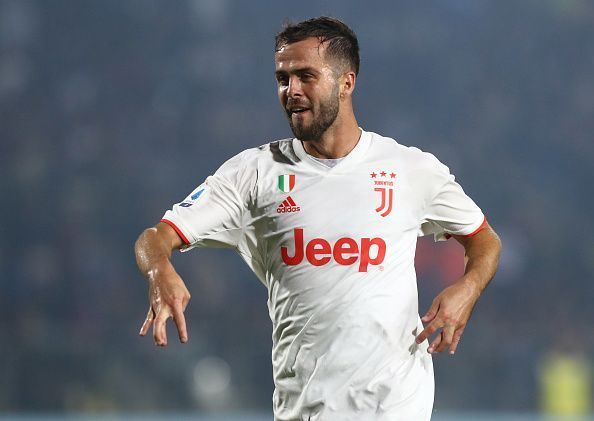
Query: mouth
x=297 y=111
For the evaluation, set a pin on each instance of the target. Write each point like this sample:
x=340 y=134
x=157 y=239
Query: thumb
x=431 y=313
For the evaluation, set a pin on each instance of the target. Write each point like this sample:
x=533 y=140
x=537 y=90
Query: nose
x=294 y=88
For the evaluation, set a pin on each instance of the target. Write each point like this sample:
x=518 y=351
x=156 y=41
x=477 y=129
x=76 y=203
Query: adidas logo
x=287 y=206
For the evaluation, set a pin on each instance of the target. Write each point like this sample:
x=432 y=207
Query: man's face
x=308 y=89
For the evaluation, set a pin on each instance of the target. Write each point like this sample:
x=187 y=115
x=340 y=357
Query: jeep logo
x=346 y=251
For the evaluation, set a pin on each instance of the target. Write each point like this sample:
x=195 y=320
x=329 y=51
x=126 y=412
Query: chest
x=371 y=200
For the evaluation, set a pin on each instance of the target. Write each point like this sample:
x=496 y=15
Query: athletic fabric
x=335 y=248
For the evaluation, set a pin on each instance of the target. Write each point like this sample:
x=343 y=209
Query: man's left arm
x=452 y=308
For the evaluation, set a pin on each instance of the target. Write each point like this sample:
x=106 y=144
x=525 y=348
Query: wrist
x=471 y=285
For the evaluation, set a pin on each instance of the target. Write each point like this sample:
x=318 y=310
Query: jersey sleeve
x=212 y=214
x=449 y=210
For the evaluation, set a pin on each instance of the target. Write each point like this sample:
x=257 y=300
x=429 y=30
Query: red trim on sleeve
x=476 y=231
x=177 y=230
x=480 y=228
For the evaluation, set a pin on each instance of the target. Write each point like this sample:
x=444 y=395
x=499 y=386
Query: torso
x=337 y=254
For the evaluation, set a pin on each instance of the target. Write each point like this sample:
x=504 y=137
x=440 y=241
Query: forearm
x=153 y=253
x=481 y=259
x=452 y=308
x=168 y=295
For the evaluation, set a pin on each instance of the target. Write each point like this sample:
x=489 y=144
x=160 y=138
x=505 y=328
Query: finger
x=159 y=327
x=431 y=313
x=180 y=323
x=456 y=341
x=447 y=335
x=147 y=322
x=428 y=331
x=435 y=344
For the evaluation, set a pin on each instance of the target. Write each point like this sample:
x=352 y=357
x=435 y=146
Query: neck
x=340 y=139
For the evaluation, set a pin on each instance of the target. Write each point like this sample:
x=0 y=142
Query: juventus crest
x=384 y=185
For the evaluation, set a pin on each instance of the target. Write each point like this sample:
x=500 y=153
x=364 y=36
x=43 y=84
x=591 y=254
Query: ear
x=347 y=84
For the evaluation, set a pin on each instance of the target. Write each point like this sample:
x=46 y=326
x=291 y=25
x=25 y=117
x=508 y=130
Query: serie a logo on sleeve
x=193 y=198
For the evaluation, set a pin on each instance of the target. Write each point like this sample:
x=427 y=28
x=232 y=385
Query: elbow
x=496 y=246
x=143 y=239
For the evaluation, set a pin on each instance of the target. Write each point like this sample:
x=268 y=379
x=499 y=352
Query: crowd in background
x=112 y=111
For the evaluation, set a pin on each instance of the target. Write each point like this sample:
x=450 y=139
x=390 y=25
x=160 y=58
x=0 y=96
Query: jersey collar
x=353 y=156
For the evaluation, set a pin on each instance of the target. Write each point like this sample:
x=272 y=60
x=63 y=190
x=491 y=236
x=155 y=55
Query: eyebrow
x=297 y=71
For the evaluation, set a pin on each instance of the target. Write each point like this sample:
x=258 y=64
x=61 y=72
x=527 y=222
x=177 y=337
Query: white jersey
x=335 y=248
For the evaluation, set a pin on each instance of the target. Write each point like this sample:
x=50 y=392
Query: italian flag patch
x=286 y=182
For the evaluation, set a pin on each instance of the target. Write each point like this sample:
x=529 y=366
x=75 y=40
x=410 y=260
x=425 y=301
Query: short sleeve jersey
x=335 y=248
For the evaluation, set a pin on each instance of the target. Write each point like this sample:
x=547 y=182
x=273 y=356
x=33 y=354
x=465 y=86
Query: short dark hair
x=342 y=41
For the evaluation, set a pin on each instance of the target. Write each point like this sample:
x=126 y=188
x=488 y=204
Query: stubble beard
x=328 y=111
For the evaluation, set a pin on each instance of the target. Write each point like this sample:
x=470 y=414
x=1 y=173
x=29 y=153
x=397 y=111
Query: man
x=328 y=221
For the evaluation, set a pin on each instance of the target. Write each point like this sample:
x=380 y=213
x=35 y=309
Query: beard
x=322 y=120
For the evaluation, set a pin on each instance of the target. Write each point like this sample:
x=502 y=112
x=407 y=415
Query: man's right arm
x=168 y=295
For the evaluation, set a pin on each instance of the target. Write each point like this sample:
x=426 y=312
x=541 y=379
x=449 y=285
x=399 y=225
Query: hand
x=168 y=298
x=450 y=312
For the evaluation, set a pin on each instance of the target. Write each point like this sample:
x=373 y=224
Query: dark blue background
x=111 y=111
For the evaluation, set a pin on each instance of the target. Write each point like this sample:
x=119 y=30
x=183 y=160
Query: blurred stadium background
x=110 y=111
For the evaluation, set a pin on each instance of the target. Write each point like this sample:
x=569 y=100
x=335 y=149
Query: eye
x=282 y=80
x=307 y=76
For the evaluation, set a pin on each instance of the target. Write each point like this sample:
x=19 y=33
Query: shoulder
x=412 y=157
x=243 y=170
x=277 y=150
